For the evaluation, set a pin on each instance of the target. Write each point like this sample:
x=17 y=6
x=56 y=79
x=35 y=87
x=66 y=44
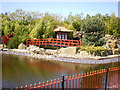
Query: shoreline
x=92 y=60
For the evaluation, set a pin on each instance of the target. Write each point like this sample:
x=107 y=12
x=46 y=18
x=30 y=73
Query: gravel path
x=73 y=60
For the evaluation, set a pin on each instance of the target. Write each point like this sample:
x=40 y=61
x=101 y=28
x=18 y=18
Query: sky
x=63 y=8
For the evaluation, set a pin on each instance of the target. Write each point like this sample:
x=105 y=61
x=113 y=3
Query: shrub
x=92 y=49
x=5 y=40
x=13 y=43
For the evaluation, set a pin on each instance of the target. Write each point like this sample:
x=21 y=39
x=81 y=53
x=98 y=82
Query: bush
x=94 y=50
x=13 y=43
x=5 y=40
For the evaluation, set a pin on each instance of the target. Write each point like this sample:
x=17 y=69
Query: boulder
x=104 y=53
x=68 y=50
x=22 y=46
x=35 y=49
x=116 y=51
x=83 y=53
x=113 y=44
x=51 y=52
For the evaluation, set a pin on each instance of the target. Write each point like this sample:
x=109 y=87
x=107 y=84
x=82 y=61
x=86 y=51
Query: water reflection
x=21 y=70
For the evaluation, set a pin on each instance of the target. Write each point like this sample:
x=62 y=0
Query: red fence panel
x=93 y=79
x=53 y=42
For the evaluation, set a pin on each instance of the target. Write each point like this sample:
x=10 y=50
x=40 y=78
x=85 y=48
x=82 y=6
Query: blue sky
x=63 y=8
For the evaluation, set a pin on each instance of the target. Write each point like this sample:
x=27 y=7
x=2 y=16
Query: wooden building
x=62 y=32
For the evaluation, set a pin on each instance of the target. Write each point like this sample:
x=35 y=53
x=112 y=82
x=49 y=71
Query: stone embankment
x=69 y=54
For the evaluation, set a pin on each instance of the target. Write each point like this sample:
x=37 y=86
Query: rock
x=96 y=53
x=35 y=49
x=104 y=53
x=113 y=44
x=51 y=52
x=116 y=51
x=109 y=52
x=22 y=46
x=2 y=46
x=68 y=50
x=83 y=53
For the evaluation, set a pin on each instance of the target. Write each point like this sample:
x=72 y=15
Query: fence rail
x=93 y=79
x=53 y=42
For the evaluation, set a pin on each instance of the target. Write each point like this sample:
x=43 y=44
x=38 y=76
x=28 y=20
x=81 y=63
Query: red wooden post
x=90 y=73
x=26 y=87
x=79 y=75
x=69 y=43
x=35 y=85
x=79 y=80
x=60 y=43
x=43 y=84
x=95 y=71
x=50 y=83
x=58 y=82
x=16 y=88
x=66 y=81
x=47 y=84
x=91 y=78
x=76 y=80
x=104 y=70
x=72 y=81
x=69 y=82
x=30 y=86
x=21 y=87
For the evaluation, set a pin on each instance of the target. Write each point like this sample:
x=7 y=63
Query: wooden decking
x=53 y=42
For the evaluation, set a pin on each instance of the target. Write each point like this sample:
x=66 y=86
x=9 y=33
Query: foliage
x=94 y=30
x=14 y=42
x=112 y=26
x=92 y=49
x=24 y=25
x=5 y=40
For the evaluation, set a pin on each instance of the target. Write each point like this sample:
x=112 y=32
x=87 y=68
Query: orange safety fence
x=92 y=79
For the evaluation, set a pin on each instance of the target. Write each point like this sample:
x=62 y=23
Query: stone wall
x=113 y=43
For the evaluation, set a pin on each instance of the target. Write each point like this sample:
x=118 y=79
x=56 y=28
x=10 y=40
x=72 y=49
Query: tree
x=25 y=25
x=44 y=26
x=74 y=21
x=112 y=25
x=94 y=30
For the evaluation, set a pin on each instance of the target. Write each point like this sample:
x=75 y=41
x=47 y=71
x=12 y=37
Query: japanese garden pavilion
x=62 y=32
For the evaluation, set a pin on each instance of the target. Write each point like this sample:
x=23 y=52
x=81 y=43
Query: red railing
x=53 y=42
x=93 y=79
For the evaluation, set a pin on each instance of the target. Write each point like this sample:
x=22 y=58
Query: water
x=21 y=70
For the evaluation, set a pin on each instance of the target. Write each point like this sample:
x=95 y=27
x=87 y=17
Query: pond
x=20 y=70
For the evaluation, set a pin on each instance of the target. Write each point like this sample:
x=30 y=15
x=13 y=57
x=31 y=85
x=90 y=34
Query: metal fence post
x=62 y=82
x=106 y=78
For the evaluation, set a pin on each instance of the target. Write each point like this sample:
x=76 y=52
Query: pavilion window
x=63 y=36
